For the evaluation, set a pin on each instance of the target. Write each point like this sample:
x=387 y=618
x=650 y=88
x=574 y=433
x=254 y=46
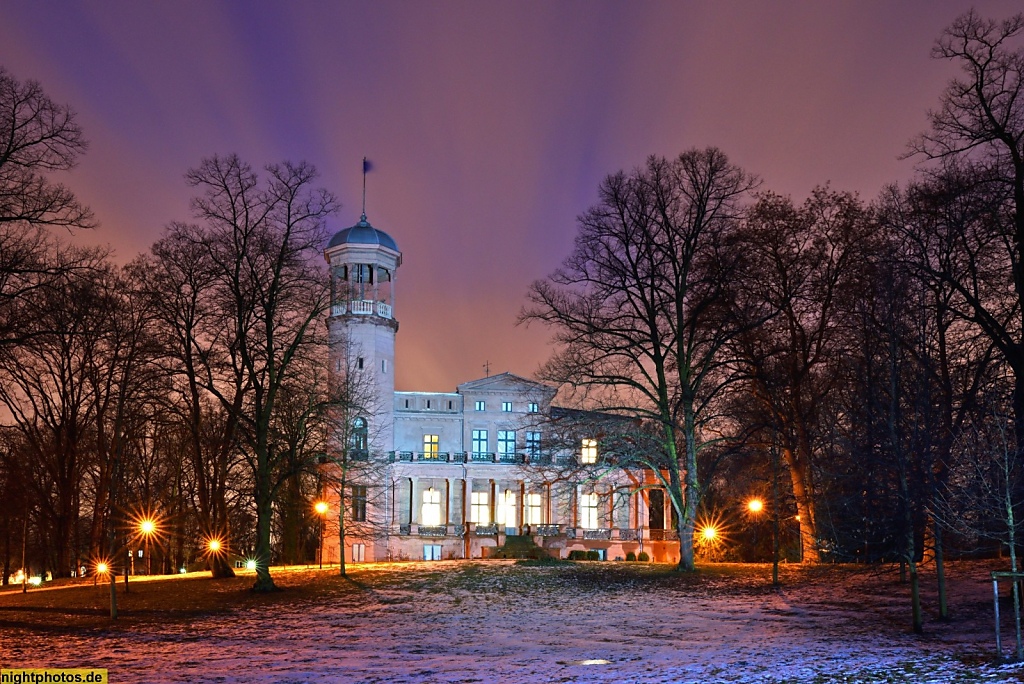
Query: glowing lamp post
x=101 y=569
x=755 y=506
x=709 y=533
x=147 y=528
x=321 y=509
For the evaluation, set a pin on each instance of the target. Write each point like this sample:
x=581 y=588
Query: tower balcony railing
x=362 y=307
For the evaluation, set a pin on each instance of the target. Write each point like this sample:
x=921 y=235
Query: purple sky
x=490 y=124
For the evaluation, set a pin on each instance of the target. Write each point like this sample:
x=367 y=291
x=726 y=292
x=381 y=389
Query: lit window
x=532 y=407
x=479 y=441
x=481 y=406
x=431 y=509
x=505 y=513
x=506 y=406
x=506 y=442
x=533 y=444
x=588 y=511
x=533 y=509
x=588 y=452
x=479 y=509
x=430 y=445
x=359 y=503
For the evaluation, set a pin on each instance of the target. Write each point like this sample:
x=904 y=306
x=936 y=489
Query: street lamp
x=321 y=509
x=147 y=528
x=755 y=506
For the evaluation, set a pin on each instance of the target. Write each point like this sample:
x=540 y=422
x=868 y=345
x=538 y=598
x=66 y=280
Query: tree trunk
x=940 y=571
x=264 y=513
x=804 y=508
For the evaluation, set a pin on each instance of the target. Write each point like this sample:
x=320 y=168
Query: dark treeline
x=187 y=387
x=856 y=364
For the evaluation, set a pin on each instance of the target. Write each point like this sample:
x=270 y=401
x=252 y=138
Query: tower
x=362 y=325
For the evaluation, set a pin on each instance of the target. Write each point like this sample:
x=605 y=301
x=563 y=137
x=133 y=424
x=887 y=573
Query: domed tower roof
x=362 y=234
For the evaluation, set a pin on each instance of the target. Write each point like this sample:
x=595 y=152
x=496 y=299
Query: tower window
x=406 y=403
x=359 y=363
x=428 y=403
x=359 y=503
x=383 y=365
x=506 y=406
x=481 y=406
x=588 y=451
x=532 y=407
x=449 y=406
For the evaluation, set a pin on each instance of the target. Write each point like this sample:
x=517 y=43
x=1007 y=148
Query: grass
x=405 y=605
x=78 y=604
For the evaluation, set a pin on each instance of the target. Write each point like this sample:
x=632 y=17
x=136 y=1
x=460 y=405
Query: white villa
x=457 y=473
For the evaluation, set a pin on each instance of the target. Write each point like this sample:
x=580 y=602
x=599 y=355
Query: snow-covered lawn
x=497 y=621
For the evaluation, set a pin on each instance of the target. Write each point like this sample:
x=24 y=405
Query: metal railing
x=361 y=307
x=664 y=535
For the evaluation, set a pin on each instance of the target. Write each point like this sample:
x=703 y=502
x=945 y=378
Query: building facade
x=445 y=475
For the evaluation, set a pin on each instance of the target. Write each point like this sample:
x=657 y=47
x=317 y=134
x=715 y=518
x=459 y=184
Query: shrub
x=630 y=556
x=593 y=555
x=577 y=555
x=643 y=557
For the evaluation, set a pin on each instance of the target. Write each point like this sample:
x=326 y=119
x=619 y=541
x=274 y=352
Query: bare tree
x=261 y=241
x=642 y=309
x=37 y=137
x=804 y=263
x=978 y=135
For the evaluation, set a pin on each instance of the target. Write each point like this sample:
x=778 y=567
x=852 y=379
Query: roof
x=504 y=382
x=362 y=234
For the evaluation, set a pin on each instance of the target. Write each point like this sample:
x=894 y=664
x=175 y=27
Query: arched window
x=360 y=434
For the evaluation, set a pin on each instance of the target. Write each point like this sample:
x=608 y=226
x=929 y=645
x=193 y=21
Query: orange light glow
x=709 y=533
x=213 y=545
x=320 y=507
x=755 y=505
x=102 y=568
x=147 y=526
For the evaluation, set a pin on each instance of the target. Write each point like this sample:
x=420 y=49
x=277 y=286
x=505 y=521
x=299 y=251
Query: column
x=449 y=504
x=414 y=513
x=522 y=506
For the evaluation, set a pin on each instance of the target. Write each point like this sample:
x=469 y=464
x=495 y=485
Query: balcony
x=433 y=531
x=599 y=534
x=481 y=457
x=545 y=530
x=664 y=535
x=362 y=307
x=629 y=535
